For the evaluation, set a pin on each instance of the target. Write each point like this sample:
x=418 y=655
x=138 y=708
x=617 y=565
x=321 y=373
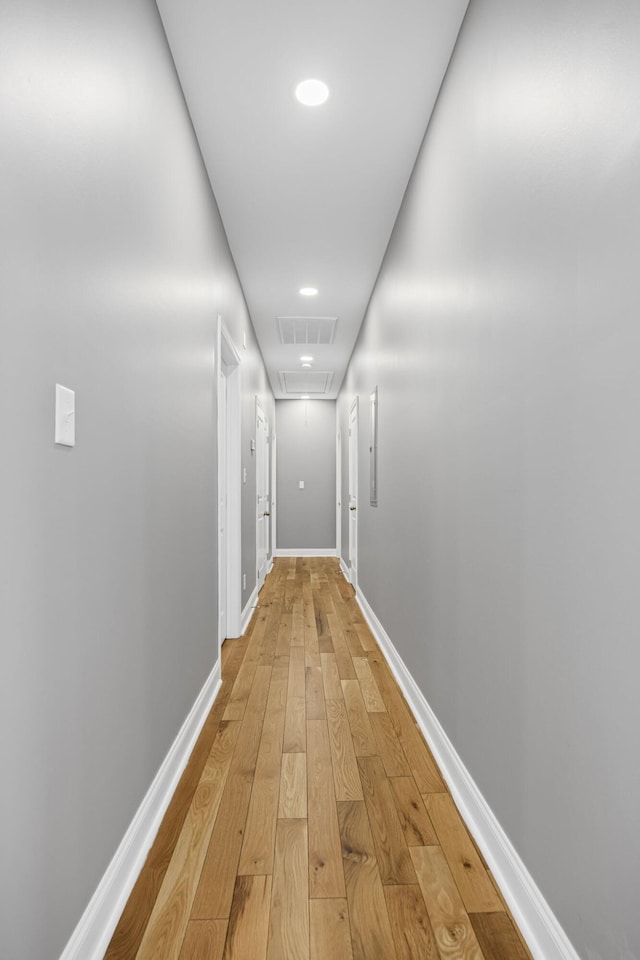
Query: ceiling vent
x=313 y=382
x=306 y=330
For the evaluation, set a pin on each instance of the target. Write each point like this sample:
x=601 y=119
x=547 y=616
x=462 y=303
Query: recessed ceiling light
x=306 y=359
x=311 y=93
x=305 y=396
x=308 y=291
x=307 y=365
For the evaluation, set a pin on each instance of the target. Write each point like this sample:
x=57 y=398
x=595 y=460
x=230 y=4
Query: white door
x=353 y=493
x=262 y=491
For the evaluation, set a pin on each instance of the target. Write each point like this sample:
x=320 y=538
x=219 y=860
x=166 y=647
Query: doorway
x=339 y=494
x=229 y=488
x=263 y=498
x=353 y=493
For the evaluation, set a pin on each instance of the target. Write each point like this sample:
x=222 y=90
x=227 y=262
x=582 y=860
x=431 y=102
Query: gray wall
x=503 y=334
x=306 y=450
x=114 y=266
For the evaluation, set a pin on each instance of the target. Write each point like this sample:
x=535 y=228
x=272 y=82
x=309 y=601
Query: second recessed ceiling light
x=312 y=92
x=308 y=291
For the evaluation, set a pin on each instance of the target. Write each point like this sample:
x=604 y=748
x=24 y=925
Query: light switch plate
x=65 y=433
x=301 y=484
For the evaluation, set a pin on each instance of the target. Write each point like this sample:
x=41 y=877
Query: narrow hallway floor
x=312 y=822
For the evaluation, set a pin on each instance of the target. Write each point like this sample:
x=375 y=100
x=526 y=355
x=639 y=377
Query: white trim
x=305 y=552
x=539 y=926
x=91 y=937
x=354 y=453
x=345 y=570
x=250 y=606
x=229 y=479
x=273 y=502
x=338 y=487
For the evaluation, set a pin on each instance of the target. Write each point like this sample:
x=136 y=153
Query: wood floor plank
x=311 y=647
x=325 y=642
x=234 y=650
x=270 y=639
x=241 y=689
x=217 y=879
x=346 y=776
x=410 y=924
x=249 y=919
x=364 y=742
x=297 y=624
x=326 y=878
x=370 y=693
x=394 y=861
x=330 y=930
x=331 y=677
x=260 y=830
x=297 y=683
x=315 y=693
x=423 y=766
x=215 y=889
x=168 y=922
x=340 y=648
x=414 y=819
x=367 y=641
x=289 y=917
x=204 y=940
x=473 y=881
x=293 y=786
x=389 y=749
x=371 y=936
x=451 y=925
x=498 y=938
x=295 y=726
x=281 y=667
x=284 y=635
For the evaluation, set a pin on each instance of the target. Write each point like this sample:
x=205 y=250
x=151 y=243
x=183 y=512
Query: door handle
x=352 y=508
x=266 y=514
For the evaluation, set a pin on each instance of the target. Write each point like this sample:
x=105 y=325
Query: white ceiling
x=309 y=196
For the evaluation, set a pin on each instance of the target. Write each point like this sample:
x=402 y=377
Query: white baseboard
x=91 y=937
x=306 y=552
x=247 y=613
x=539 y=926
x=345 y=570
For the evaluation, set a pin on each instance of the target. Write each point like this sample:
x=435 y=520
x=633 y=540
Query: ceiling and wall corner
x=309 y=196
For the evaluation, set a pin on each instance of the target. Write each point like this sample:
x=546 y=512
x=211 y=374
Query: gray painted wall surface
x=503 y=334
x=114 y=267
x=306 y=450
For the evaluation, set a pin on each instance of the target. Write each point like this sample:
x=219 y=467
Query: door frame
x=229 y=483
x=339 y=493
x=260 y=409
x=353 y=461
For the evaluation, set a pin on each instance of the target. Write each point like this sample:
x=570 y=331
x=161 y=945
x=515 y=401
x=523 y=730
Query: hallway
x=311 y=821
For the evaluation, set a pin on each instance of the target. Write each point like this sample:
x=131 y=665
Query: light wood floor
x=312 y=822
